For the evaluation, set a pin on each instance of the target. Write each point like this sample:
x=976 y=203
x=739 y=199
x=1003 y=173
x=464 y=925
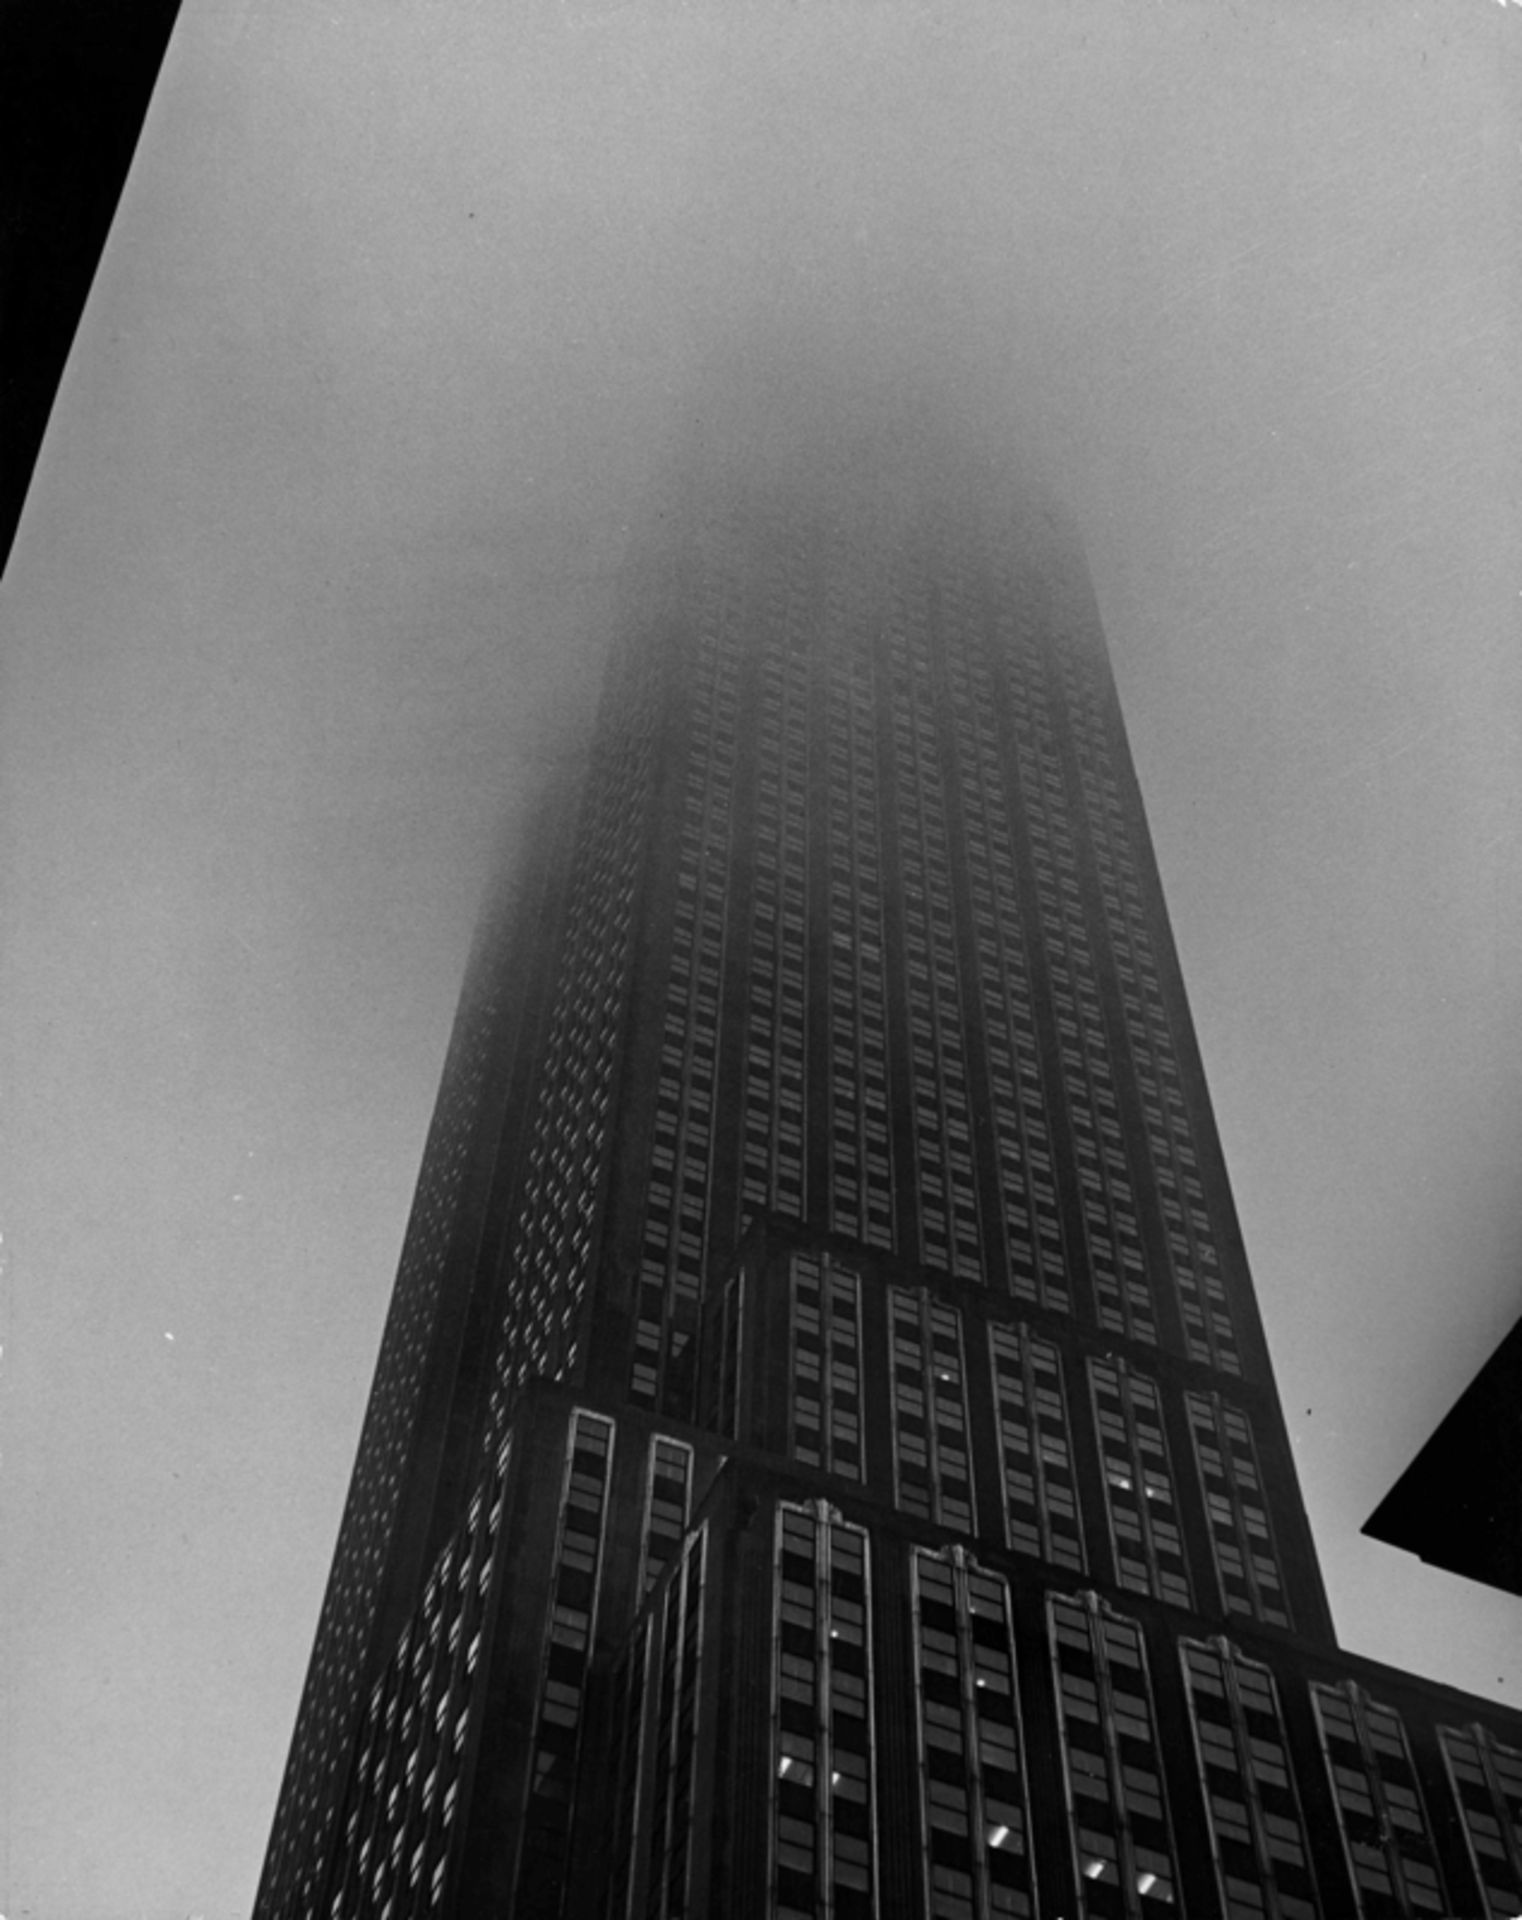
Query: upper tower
x=824 y=1339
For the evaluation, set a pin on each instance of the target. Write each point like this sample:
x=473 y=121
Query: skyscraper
x=824 y=1457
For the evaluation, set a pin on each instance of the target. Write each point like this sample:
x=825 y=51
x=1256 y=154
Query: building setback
x=824 y=1458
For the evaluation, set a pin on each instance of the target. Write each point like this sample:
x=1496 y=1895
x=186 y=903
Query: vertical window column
x=1035 y=1449
x=1247 y=1567
x=775 y=1156
x=1487 y=1783
x=1118 y=1816
x=1112 y=1230
x=822 y=1815
x=668 y=1492
x=1385 y=1835
x=932 y=1462
x=860 y=1153
x=676 y=1215
x=972 y=1785
x=1144 y=1532
x=1028 y=1197
x=574 y=1585
x=1193 y=1259
x=1257 y=1832
x=668 y=1891
x=945 y=1186
x=825 y=1373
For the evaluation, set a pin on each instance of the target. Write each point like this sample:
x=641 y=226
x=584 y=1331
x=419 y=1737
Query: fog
x=409 y=314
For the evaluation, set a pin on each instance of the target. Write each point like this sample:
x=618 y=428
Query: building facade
x=824 y=1458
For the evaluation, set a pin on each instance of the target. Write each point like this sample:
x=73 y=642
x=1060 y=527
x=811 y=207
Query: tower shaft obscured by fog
x=824 y=1457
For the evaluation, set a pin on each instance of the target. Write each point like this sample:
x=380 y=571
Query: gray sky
x=400 y=314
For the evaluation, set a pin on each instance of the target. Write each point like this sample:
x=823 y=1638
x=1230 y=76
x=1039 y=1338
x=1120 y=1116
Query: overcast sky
x=401 y=314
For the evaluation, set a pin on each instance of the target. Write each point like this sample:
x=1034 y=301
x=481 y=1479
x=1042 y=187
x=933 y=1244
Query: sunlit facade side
x=838 y=1469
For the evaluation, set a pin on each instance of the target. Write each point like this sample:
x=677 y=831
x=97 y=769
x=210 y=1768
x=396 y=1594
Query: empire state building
x=824 y=1457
